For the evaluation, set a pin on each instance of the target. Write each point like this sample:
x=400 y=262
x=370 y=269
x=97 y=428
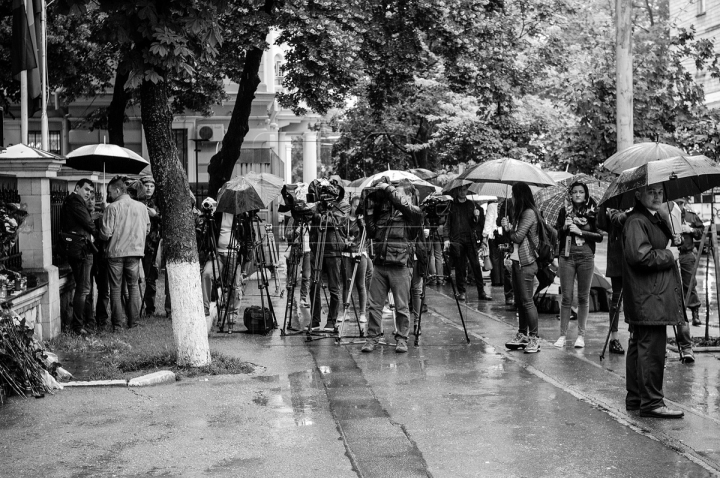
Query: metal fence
x=58 y=193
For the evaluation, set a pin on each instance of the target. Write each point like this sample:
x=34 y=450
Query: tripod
x=234 y=260
x=210 y=246
x=435 y=236
x=272 y=250
x=346 y=304
x=294 y=265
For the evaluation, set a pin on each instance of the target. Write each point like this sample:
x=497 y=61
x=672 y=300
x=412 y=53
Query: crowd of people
x=384 y=245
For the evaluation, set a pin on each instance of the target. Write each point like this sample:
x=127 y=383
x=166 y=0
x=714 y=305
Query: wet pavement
x=444 y=409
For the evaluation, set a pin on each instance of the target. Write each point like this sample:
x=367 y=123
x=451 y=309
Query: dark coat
x=337 y=217
x=75 y=217
x=462 y=224
x=393 y=223
x=652 y=290
x=612 y=221
x=588 y=231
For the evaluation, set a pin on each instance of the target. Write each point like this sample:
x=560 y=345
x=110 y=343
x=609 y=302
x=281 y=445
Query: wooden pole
x=623 y=74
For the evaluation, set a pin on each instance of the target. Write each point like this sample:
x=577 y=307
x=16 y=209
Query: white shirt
x=225 y=233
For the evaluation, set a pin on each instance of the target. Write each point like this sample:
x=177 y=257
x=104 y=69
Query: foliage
x=11 y=218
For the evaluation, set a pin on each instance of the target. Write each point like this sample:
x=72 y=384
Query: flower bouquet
x=11 y=218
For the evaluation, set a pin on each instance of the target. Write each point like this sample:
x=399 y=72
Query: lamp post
x=198 y=143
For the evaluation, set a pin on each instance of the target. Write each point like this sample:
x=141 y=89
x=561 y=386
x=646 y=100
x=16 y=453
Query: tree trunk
x=116 y=110
x=223 y=162
x=189 y=326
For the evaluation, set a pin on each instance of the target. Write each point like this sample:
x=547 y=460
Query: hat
x=147 y=179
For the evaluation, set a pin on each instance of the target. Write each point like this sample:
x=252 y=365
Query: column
x=309 y=156
x=288 y=154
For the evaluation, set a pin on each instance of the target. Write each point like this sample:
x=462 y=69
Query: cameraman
x=463 y=232
x=393 y=222
x=331 y=208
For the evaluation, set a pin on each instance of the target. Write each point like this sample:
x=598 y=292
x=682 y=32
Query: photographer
x=463 y=233
x=393 y=222
x=331 y=213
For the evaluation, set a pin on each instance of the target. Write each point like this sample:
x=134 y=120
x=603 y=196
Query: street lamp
x=198 y=143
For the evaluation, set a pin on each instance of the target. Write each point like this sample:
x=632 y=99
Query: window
x=279 y=76
x=701 y=7
x=35 y=141
x=181 y=142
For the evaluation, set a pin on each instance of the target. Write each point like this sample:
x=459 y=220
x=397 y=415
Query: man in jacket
x=125 y=224
x=463 y=233
x=393 y=221
x=692 y=230
x=612 y=221
x=78 y=231
x=652 y=301
x=151 y=245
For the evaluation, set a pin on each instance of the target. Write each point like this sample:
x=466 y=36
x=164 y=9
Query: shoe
x=304 y=303
x=461 y=297
x=369 y=346
x=662 y=412
x=533 y=346
x=401 y=346
x=81 y=332
x=688 y=356
x=580 y=342
x=510 y=302
x=560 y=342
x=424 y=308
x=696 y=316
x=518 y=342
x=363 y=319
x=573 y=315
x=149 y=312
x=330 y=326
x=117 y=328
x=616 y=347
x=484 y=296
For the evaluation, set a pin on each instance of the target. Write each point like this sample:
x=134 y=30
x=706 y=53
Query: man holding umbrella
x=652 y=301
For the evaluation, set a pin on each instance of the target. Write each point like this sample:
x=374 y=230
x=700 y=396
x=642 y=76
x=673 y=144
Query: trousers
x=645 y=366
x=390 y=279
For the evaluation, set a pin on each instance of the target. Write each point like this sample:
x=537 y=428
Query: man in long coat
x=652 y=300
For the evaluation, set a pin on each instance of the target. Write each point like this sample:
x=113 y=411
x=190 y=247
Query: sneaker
x=461 y=297
x=370 y=345
x=560 y=342
x=401 y=346
x=533 y=346
x=363 y=319
x=304 y=303
x=688 y=356
x=580 y=342
x=518 y=342
x=616 y=347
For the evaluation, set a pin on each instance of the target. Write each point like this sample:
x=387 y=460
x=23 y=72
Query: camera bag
x=257 y=320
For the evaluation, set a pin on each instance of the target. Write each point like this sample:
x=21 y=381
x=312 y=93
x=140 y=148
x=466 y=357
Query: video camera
x=208 y=206
x=436 y=208
x=297 y=202
x=325 y=190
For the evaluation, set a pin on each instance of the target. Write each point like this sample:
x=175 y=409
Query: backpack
x=258 y=320
x=547 y=243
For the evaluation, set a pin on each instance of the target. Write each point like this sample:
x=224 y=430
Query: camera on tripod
x=436 y=208
x=208 y=206
x=325 y=191
x=296 y=201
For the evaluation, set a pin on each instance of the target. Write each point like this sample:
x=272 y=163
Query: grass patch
x=134 y=352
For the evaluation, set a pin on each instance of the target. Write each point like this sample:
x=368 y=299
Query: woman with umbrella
x=578 y=236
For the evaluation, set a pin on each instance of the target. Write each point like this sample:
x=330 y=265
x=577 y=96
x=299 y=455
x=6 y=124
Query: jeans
x=225 y=277
x=305 y=272
x=397 y=280
x=331 y=266
x=125 y=269
x=416 y=285
x=151 y=277
x=348 y=267
x=497 y=257
x=687 y=263
x=645 y=366
x=523 y=284
x=580 y=265
x=436 y=259
x=81 y=269
x=462 y=253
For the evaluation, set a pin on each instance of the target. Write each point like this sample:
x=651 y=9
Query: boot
x=696 y=316
x=482 y=295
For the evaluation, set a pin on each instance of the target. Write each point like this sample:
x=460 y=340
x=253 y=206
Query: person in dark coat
x=692 y=230
x=463 y=233
x=612 y=221
x=78 y=230
x=652 y=300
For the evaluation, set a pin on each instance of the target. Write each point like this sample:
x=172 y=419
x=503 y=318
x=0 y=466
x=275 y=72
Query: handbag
x=487 y=264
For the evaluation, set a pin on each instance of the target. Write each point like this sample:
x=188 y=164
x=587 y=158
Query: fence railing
x=58 y=193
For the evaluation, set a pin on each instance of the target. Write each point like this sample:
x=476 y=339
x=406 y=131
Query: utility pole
x=623 y=74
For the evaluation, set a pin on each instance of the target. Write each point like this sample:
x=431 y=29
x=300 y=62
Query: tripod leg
x=292 y=281
x=452 y=284
x=418 y=326
x=616 y=314
x=317 y=274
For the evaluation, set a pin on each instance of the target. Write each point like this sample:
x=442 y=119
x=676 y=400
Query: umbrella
x=108 y=158
x=507 y=171
x=495 y=189
x=599 y=280
x=423 y=173
x=551 y=200
x=249 y=193
x=21 y=151
x=680 y=177
x=424 y=188
x=639 y=154
x=454 y=184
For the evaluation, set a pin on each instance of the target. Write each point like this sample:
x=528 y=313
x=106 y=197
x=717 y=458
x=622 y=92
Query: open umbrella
x=559 y=175
x=680 y=177
x=454 y=184
x=423 y=173
x=21 y=151
x=424 y=188
x=507 y=171
x=639 y=154
x=552 y=199
x=108 y=158
x=249 y=192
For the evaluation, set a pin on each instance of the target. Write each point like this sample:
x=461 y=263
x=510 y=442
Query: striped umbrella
x=551 y=200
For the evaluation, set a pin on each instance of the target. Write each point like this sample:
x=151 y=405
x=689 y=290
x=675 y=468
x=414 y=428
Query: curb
x=155 y=378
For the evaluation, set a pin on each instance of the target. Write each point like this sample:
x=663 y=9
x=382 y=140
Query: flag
x=24 y=47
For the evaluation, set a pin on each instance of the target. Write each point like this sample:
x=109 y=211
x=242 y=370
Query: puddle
x=79 y=364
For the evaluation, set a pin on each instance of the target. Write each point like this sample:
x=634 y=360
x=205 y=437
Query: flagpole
x=23 y=107
x=43 y=79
